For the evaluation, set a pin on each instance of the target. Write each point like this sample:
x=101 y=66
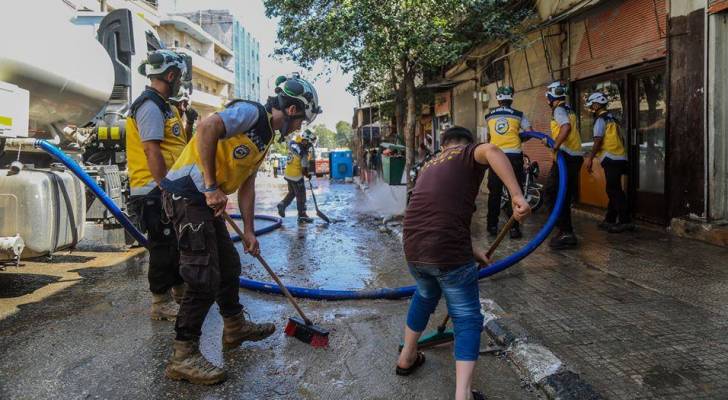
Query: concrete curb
x=542 y=367
x=535 y=362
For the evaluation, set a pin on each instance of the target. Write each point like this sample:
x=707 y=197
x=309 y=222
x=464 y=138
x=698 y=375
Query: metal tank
x=46 y=208
x=67 y=71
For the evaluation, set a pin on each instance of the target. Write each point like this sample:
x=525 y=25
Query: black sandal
x=418 y=363
x=478 y=395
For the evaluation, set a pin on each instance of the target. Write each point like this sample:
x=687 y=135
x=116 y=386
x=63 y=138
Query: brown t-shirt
x=437 y=219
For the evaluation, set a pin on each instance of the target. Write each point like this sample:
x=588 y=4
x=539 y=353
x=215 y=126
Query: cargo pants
x=296 y=189
x=209 y=264
x=496 y=187
x=573 y=169
x=146 y=212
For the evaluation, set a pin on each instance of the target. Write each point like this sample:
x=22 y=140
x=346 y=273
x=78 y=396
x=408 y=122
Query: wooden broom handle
x=272 y=274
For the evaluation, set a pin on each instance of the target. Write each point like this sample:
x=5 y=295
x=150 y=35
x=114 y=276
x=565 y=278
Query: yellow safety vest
x=141 y=180
x=294 y=164
x=237 y=157
x=504 y=128
x=572 y=144
x=612 y=144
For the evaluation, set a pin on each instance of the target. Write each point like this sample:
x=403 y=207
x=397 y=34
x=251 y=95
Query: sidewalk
x=639 y=316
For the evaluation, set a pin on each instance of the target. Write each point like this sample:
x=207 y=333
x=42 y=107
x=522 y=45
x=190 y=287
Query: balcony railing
x=151 y=3
x=208 y=67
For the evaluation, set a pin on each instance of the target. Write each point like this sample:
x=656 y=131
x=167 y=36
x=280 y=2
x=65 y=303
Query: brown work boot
x=237 y=329
x=178 y=292
x=187 y=363
x=163 y=307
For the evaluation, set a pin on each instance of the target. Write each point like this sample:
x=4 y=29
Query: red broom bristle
x=290 y=328
x=320 y=341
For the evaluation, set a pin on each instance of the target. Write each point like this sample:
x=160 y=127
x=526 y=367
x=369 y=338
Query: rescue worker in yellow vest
x=609 y=148
x=565 y=133
x=182 y=103
x=299 y=153
x=504 y=126
x=154 y=140
x=223 y=158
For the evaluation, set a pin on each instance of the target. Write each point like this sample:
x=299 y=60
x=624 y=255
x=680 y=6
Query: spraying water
x=384 y=199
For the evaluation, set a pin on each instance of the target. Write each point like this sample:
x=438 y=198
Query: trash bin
x=341 y=164
x=392 y=168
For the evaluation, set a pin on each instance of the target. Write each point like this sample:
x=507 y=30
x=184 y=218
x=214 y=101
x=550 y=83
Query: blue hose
x=329 y=294
x=407 y=291
x=111 y=206
x=91 y=184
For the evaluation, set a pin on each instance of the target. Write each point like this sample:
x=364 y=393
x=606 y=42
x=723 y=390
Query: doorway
x=647 y=148
x=637 y=98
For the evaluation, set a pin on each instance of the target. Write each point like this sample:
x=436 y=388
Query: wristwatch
x=210 y=189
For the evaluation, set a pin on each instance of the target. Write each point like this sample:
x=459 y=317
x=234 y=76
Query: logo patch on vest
x=241 y=152
x=501 y=126
x=176 y=129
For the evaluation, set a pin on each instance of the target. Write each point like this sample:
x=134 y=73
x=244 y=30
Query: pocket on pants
x=157 y=224
x=195 y=256
x=460 y=276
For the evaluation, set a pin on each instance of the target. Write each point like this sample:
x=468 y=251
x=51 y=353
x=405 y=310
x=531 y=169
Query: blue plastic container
x=341 y=164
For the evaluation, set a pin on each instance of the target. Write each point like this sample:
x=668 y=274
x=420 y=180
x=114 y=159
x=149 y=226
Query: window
x=493 y=72
x=176 y=43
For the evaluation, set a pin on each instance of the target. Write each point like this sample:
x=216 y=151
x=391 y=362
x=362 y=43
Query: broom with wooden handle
x=301 y=328
x=443 y=335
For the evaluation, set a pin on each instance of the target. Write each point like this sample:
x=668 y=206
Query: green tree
x=326 y=137
x=280 y=148
x=344 y=134
x=389 y=44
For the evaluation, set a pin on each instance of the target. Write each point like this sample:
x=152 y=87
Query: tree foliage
x=344 y=135
x=388 y=44
x=326 y=137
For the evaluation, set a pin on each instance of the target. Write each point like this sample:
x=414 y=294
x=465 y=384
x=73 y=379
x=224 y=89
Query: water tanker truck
x=71 y=84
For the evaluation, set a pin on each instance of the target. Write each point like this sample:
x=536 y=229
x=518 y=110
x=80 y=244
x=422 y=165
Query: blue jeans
x=460 y=287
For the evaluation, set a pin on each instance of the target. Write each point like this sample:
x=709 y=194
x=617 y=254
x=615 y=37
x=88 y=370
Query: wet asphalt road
x=94 y=339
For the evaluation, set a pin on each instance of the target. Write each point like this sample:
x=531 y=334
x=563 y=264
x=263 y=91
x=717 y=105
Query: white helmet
x=556 y=91
x=504 y=93
x=295 y=90
x=159 y=61
x=598 y=98
x=308 y=135
x=182 y=95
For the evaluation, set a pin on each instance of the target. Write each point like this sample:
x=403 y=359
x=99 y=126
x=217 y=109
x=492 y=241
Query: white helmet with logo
x=596 y=98
x=182 y=95
x=300 y=92
x=556 y=91
x=159 y=61
x=308 y=135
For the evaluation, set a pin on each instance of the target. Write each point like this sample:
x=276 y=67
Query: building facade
x=212 y=62
x=661 y=65
x=227 y=29
x=247 y=66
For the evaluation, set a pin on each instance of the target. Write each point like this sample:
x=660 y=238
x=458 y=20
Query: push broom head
x=434 y=338
x=307 y=333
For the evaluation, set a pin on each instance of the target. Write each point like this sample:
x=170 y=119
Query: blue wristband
x=209 y=189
